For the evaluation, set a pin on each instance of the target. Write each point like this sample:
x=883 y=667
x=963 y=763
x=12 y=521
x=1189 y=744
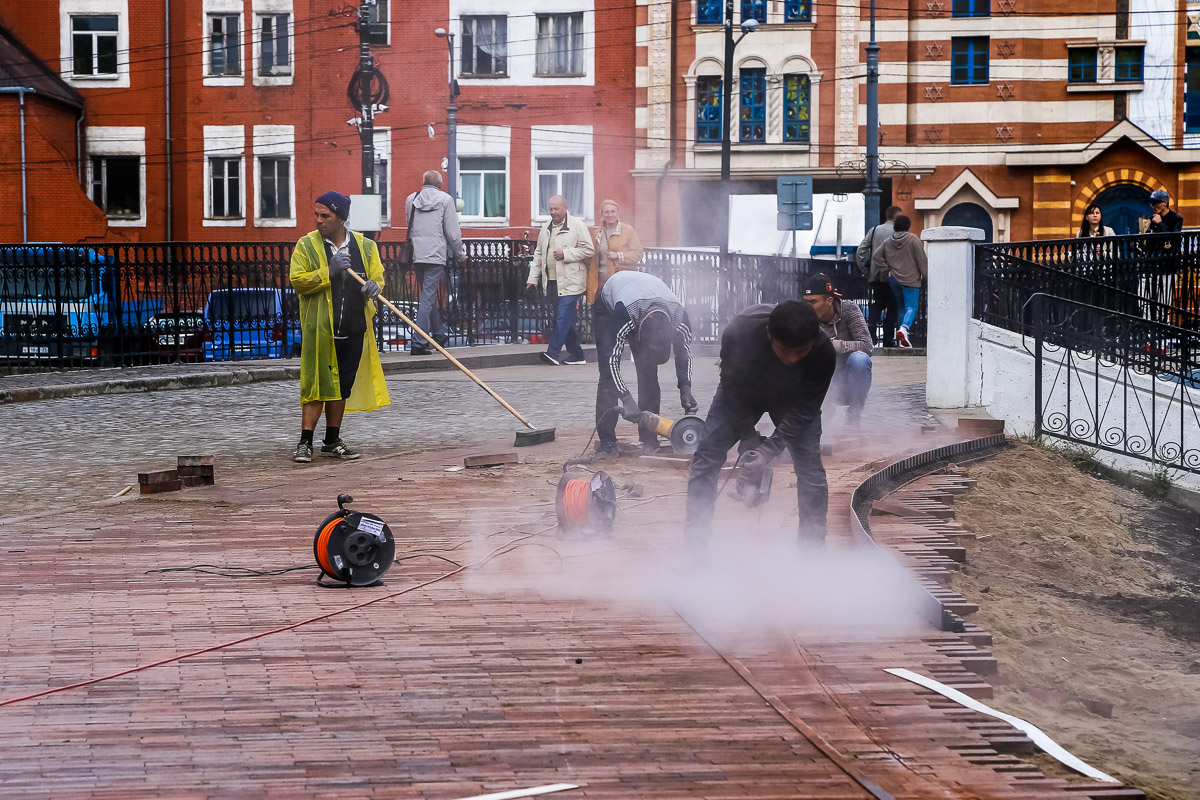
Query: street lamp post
x=451 y=119
x=871 y=190
x=748 y=26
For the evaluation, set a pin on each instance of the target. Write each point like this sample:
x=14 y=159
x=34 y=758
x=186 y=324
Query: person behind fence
x=843 y=323
x=903 y=255
x=436 y=242
x=1160 y=285
x=560 y=265
x=618 y=247
x=1092 y=224
x=883 y=309
x=775 y=361
x=339 y=362
x=638 y=309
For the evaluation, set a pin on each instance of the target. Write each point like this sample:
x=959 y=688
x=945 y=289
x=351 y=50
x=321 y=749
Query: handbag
x=406 y=247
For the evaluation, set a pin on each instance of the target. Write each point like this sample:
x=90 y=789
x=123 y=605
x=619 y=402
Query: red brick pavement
x=466 y=686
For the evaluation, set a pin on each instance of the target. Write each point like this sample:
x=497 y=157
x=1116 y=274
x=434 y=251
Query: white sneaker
x=902 y=337
x=574 y=363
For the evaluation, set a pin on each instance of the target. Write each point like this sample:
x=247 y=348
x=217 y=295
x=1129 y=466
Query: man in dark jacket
x=774 y=361
x=436 y=239
x=883 y=309
x=639 y=309
x=1160 y=286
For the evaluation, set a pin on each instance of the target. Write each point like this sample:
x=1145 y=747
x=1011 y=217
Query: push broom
x=524 y=438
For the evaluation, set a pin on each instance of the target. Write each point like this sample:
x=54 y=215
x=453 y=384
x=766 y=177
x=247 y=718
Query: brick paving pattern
x=555 y=661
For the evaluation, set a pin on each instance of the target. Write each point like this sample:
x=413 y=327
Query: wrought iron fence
x=80 y=306
x=1155 y=276
x=1114 y=382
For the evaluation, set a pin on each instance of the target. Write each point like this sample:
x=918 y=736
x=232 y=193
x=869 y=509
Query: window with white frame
x=94 y=45
x=274 y=44
x=484 y=46
x=116 y=185
x=225 y=187
x=559 y=44
x=275 y=187
x=562 y=175
x=377 y=12
x=483 y=187
x=223 y=51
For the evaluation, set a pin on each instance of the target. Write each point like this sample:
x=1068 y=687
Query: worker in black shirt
x=1165 y=262
x=775 y=361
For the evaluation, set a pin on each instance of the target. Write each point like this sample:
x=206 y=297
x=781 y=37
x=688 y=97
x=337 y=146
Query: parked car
x=181 y=333
x=252 y=323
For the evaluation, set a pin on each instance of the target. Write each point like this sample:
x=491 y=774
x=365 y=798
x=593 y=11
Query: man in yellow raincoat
x=339 y=361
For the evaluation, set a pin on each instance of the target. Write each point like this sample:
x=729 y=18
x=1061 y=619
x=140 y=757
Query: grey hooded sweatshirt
x=903 y=254
x=435 y=232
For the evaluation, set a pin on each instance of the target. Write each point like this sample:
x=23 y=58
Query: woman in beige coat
x=617 y=247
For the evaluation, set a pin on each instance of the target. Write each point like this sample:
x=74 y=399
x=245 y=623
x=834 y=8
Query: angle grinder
x=683 y=433
x=353 y=547
x=753 y=492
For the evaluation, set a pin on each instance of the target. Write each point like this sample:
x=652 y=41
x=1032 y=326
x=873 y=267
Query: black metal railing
x=80 y=306
x=1155 y=276
x=1114 y=382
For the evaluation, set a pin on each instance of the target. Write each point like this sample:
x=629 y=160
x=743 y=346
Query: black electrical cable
x=247 y=572
x=596 y=427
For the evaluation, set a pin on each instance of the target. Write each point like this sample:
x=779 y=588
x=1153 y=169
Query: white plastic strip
x=1043 y=741
x=517 y=793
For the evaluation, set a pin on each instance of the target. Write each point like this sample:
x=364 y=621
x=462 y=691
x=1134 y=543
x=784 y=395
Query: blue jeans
x=429 y=319
x=907 y=298
x=850 y=384
x=564 y=329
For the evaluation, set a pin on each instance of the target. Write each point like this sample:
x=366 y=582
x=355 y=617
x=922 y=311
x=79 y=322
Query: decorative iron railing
x=1114 y=382
x=1155 y=276
x=80 y=306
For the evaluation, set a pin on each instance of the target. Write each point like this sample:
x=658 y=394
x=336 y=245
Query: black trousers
x=649 y=396
x=883 y=302
x=349 y=353
x=722 y=430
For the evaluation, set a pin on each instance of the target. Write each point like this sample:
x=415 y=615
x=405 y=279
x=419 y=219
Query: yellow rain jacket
x=318 y=362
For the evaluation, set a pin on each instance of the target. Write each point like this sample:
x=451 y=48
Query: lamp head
x=439 y=32
x=749 y=25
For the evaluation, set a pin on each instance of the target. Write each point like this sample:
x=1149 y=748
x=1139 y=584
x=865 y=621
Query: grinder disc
x=686 y=433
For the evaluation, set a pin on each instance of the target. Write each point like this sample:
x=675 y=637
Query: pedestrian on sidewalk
x=638 y=309
x=618 y=248
x=560 y=264
x=883 y=309
x=903 y=256
x=339 y=361
x=437 y=242
x=843 y=323
x=1166 y=255
x=775 y=361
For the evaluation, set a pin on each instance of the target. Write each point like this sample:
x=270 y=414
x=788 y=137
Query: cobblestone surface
x=74 y=450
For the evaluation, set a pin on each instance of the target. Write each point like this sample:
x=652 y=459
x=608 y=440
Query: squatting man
x=775 y=361
x=339 y=361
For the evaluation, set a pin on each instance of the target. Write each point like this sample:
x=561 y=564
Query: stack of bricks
x=196 y=470
x=190 y=471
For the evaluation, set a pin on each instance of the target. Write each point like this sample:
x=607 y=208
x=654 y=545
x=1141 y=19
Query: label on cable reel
x=371 y=526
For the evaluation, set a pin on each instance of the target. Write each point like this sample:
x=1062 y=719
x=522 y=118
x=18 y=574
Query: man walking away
x=774 y=361
x=640 y=309
x=843 y=323
x=882 y=309
x=903 y=256
x=560 y=265
x=339 y=361
x=436 y=240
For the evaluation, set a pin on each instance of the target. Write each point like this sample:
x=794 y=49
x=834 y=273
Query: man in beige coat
x=560 y=265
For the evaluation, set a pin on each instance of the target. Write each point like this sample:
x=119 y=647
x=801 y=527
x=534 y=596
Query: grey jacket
x=903 y=254
x=435 y=232
x=870 y=243
x=848 y=331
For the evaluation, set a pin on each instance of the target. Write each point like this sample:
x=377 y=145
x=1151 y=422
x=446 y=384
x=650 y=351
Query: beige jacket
x=576 y=243
x=626 y=242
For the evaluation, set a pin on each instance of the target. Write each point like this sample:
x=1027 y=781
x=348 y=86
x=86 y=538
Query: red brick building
x=1008 y=115
x=254 y=95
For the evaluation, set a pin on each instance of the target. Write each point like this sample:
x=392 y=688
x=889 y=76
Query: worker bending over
x=775 y=361
x=638 y=309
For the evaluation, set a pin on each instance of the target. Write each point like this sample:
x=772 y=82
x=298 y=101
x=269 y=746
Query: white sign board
x=366 y=213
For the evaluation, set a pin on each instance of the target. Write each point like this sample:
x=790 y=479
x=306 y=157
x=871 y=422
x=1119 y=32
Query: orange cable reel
x=586 y=505
x=353 y=547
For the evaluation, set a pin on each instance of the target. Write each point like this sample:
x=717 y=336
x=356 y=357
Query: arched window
x=796 y=108
x=970 y=215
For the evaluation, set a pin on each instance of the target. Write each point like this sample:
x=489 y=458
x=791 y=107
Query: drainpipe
x=79 y=146
x=167 y=111
x=20 y=92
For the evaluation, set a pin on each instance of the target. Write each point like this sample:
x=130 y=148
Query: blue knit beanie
x=336 y=202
